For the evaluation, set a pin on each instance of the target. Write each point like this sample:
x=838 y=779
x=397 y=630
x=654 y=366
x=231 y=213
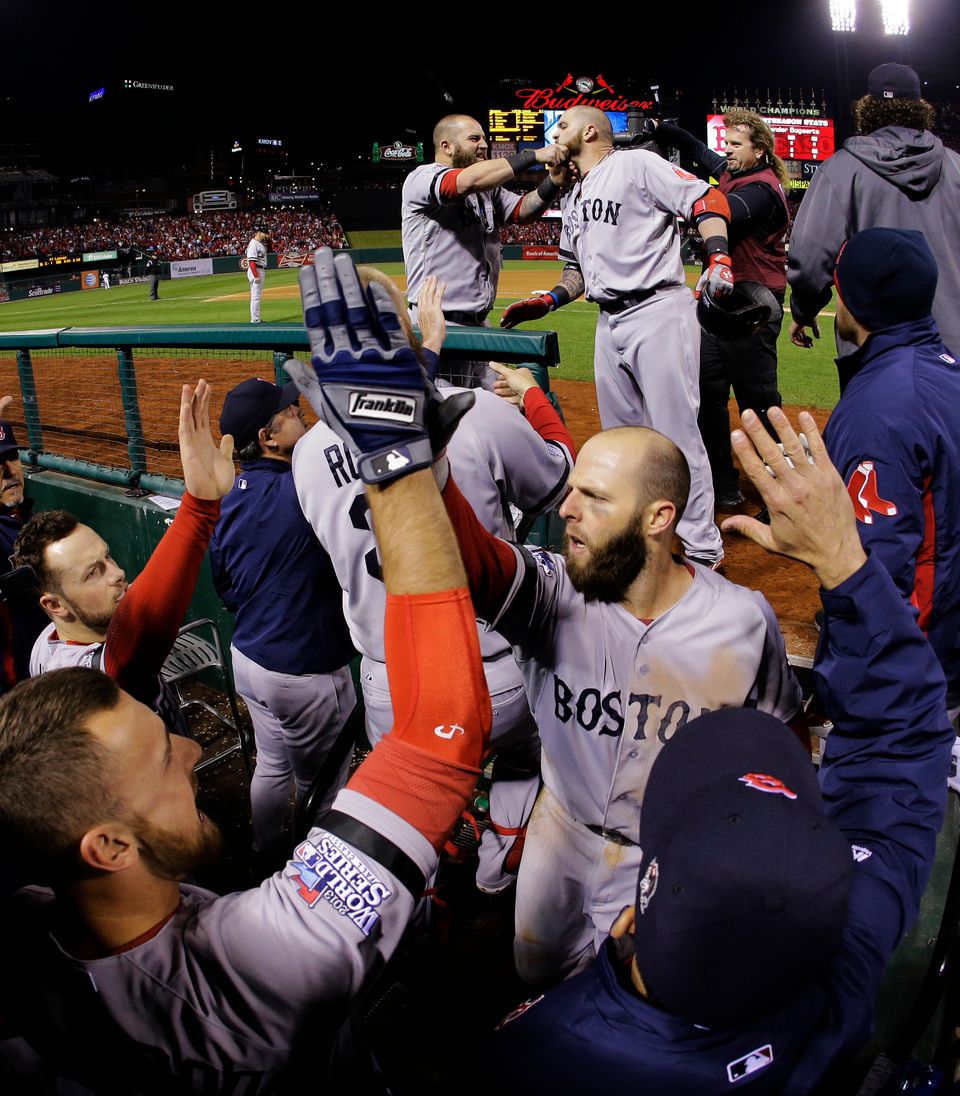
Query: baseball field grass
x=806 y=376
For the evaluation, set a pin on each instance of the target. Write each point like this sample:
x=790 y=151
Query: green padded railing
x=71 y=377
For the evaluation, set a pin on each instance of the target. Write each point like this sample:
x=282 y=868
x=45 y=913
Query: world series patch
x=332 y=871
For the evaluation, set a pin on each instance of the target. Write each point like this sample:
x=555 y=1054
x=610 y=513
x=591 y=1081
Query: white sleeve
x=422 y=187
x=505 y=202
x=669 y=187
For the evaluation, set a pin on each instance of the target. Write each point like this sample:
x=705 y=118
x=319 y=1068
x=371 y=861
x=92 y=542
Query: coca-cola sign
x=398 y=152
x=589 y=91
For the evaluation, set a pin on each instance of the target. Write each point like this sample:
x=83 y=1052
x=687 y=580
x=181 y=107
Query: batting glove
x=364 y=379
x=718 y=277
x=533 y=308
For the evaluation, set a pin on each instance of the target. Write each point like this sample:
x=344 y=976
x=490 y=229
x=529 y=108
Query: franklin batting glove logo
x=443 y=731
x=380 y=405
x=648 y=885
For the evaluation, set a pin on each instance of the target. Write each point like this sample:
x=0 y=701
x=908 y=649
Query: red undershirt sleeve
x=145 y=625
x=448 y=185
x=543 y=417
x=490 y=563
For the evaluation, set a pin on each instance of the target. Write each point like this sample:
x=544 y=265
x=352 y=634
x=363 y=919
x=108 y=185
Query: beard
x=465 y=157
x=606 y=575
x=170 y=855
x=96 y=622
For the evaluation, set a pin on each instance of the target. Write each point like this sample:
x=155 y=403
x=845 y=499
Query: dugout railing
x=102 y=402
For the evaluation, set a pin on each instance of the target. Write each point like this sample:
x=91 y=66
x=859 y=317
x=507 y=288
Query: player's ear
x=659 y=517
x=53 y=605
x=109 y=847
x=266 y=439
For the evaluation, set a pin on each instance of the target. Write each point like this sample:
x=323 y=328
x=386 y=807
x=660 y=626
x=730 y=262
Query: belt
x=628 y=300
x=469 y=319
x=611 y=835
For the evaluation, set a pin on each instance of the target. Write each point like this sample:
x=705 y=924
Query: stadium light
x=896 y=16
x=843 y=15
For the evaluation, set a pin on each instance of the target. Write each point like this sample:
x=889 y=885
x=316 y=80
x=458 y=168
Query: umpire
x=751 y=175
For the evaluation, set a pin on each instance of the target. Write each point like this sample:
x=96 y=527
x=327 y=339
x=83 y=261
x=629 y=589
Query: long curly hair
x=870 y=113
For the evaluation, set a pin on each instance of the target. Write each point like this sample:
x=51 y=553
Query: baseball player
x=97 y=620
x=620 y=644
x=752 y=177
x=502 y=461
x=757 y=943
x=622 y=246
x=291 y=647
x=256 y=271
x=239 y=993
x=453 y=210
x=900 y=458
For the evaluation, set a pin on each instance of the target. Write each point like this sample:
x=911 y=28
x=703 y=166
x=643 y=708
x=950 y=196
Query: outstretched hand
x=5 y=402
x=811 y=515
x=208 y=471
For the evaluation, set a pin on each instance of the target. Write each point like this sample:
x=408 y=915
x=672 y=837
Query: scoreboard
x=517 y=126
x=803 y=143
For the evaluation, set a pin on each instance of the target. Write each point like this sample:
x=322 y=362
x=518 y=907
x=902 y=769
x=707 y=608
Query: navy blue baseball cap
x=8 y=441
x=886 y=276
x=743 y=888
x=893 y=81
x=251 y=405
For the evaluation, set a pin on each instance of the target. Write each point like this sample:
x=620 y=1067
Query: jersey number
x=359 y=519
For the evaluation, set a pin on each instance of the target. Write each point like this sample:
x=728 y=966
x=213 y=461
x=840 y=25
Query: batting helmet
x=739 y=313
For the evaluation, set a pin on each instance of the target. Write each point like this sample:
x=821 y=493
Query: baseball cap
x=893 y=81
x=886 y=276
x=8 y=440
x=251 y=405
x=743 y=887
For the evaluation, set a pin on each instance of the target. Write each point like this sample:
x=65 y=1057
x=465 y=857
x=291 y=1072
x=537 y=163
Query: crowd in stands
x=538 y=232
x=193 y=236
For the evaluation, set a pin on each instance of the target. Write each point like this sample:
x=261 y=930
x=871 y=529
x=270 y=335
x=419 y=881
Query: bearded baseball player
x=256 y=271
x=127 y=979
x=767 y=907
x=453 y=210
x=502 y=460
x=620 y=644
x=622 y=247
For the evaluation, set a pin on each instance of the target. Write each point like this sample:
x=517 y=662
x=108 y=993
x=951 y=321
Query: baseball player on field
x=766 y=907
x=453 y=210
x=502 y=460
x=256 y=271
x=129 y=980
x=622 y=246
x=620 y=644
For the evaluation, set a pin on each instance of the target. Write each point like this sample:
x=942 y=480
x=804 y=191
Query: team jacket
x=272 y=572
x=884 y=692
x=895 y=177
x=895 y=439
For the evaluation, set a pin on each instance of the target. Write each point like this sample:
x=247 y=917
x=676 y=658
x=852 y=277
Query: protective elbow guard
x=711 y=204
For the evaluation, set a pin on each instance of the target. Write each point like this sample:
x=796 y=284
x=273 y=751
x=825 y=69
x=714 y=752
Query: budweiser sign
x=589 y=91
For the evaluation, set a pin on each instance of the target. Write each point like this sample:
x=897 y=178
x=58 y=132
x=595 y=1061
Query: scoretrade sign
x=589 y=91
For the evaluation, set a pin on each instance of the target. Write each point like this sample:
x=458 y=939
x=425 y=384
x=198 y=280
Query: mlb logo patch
x=543 y=561
x=750 y=1063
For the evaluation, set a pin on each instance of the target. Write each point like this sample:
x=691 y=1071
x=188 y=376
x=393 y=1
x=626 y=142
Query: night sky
x=335 y=83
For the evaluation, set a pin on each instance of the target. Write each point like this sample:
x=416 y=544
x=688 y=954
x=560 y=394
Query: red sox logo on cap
x=3 y=434
x=770 y=784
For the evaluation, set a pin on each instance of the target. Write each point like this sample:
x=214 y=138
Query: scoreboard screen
x=517 y=125
x=795 y=138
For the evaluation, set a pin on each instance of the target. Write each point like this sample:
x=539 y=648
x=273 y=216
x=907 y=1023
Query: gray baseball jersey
x=498 y=458
x=456 y=241
x=608 y=690
x=257 y=254
x=620 y=227
x=620 y=223
x=231 y=995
